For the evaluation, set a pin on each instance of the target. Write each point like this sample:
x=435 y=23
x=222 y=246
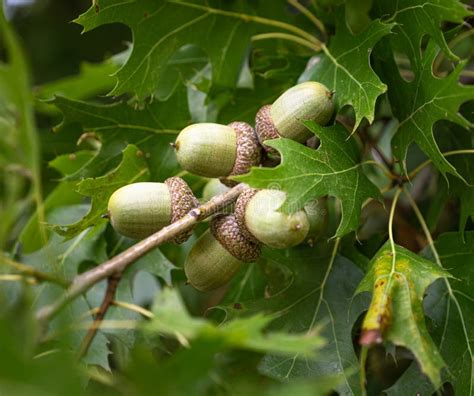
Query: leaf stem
x=390 y=232
x=308 y=14
x=415 y=171
x=363 y=374
x=133 y=307
x=30 y=271
x=83 y=282
x=287 y=36
x=424 y=226
x=251 y=18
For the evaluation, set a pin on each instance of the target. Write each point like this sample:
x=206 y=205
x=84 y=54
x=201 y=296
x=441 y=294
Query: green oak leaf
x=452 y=138
x=132 y=169
x=450 y=306
x=398 y=280
x=345 y=68
x=160 y=28
x=333 y=169
x=416 y=18
x=315 y=292
x=64 y=194
x=419 y=104
x=151 y=128
x=93 y=79
x=172 y=319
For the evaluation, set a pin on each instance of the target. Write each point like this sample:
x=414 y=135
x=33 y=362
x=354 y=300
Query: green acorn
x=257 y=213
x=215 y=150
x=307 y=101
x=212 y=188
x=141 y=209
x=218 y=254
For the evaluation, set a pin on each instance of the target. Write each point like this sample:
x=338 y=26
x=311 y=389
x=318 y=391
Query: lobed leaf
x=304 y=174
x=398 y=280
x=345 y=68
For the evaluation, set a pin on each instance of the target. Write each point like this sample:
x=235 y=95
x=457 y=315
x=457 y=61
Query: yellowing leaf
x=397 y=280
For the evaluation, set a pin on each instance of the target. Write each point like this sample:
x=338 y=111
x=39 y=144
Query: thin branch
x=289 y=37
x=308 y=14
x=112 y=284
x=424 y=226
x=133 y=307
x=30 y=271
x=122 y=261
x=415 y=171
x=17 y=278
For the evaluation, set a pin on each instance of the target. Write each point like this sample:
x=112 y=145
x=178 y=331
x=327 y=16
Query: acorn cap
x=265 y=128
x=271 y=227
x=239 y=211
x=226 y=230
x=182 y=201
x=248 y=151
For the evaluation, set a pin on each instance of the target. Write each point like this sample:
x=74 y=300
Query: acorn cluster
x=218 y=151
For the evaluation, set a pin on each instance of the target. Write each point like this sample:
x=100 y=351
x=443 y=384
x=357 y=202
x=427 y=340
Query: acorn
x=141 y=209
x=215 y=150
x=307 y=101
x=317 y=213
x=212 y=188
x=257 y=213
x=218 y=254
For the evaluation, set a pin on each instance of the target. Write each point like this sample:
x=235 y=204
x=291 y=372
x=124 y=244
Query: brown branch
x=120 y=263
x=109 y=296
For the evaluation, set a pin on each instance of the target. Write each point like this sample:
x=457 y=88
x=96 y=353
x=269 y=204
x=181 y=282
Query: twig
x=308 y=14
x=112 y=284
x=120 y=263
x=30 y=271
x=250 y=18
x=133 y=307
x=415 y=171
x=289 y=37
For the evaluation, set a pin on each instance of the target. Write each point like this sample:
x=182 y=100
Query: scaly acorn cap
x=306 y=101
x=248 y=151
x=215 y=150
x=263 y=220
x=182 y=201
x=240 y=206
x=218 y=255
x=141 y=209
x=227 y=231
